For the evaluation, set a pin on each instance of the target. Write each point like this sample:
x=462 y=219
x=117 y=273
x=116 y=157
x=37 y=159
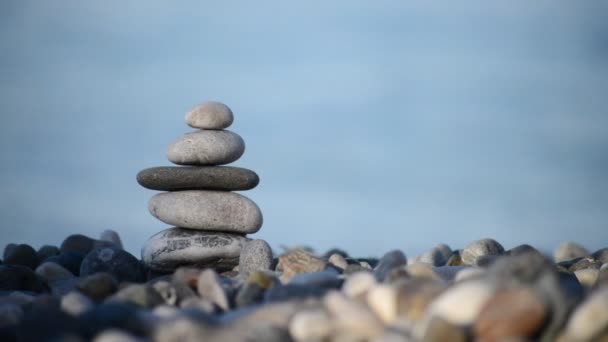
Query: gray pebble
x=569 y=251
x=23 y=255
x=207 y=210
x=388 y=262
x=255 y=256
x=206 y=148
x=167 y=250
x=210 y=115
x=75 y=303
x=479 y=249
x=119 y=263
x=111 y=236
x=47 y=251
x=142 y=295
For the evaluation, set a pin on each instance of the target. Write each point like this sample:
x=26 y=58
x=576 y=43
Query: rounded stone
x=388 y=262
x=462 y=302
x=310 y=325
x=69 y=259
x=141 y=295
x=82 y=244
x=23 y=255
x=111 y=236
x=97 y=286
x=52 y=271
x=47 y=251
x=206 y=148
x=510 y=314
x=210 y=115
x=207 y=210
x=21 y=278
x=120 y=264
x=569 y=251
x=590 y=318
x=175 y=247
x=479 y=249
x=176 y=178
x=75 y=303
x=255 y=256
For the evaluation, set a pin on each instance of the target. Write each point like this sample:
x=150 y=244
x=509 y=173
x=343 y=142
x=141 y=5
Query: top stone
x=210 y=115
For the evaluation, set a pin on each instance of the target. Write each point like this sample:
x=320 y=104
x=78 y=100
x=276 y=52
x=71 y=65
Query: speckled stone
x=207 y=210
x=176 y=178
x=174 y=247
x=209 y=286
x=206 y=148
x=298 y=261
x=255 y=256
x=479 y=249
x=210 y=115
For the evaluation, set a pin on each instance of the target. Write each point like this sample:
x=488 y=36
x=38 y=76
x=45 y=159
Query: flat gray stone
x=174 y=247
x=176 y=178
x=210 y=115
x=207 y=210
x=206 y=148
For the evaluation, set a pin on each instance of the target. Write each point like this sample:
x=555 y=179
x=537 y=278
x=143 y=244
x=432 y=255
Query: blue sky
x=372 y=125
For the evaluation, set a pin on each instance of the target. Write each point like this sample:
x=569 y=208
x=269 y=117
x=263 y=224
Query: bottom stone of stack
x=174 y=247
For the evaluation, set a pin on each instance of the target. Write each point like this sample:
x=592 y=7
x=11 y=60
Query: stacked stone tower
x=210 y=220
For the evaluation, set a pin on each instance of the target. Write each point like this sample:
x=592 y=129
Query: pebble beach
x=208 y=278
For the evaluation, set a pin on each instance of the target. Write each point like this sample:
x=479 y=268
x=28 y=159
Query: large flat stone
x=206 y=148
x=174 y=247
x=175 y=178
x=207 y=210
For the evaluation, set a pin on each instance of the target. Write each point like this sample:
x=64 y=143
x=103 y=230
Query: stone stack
x=210 y=220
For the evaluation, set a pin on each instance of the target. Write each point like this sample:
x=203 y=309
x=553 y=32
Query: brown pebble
x=510 y=313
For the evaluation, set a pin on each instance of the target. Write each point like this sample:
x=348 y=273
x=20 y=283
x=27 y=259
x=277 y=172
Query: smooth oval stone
x=511 y=314
x=97 y=286
x=210 y=115
x=141 y=295
x=47 y=251
x=311 y=325
x=461 y=303
x=207 y=210
x=481 y=248
x=569 y=251
x=175 y=247
x=111 y=236
x=589 y=319
x=23 y=255
x=206 y=148
x=388 y=262
x=75 y=303
x=176 y=178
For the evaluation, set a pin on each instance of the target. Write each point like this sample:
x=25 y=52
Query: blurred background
x=372 y=125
